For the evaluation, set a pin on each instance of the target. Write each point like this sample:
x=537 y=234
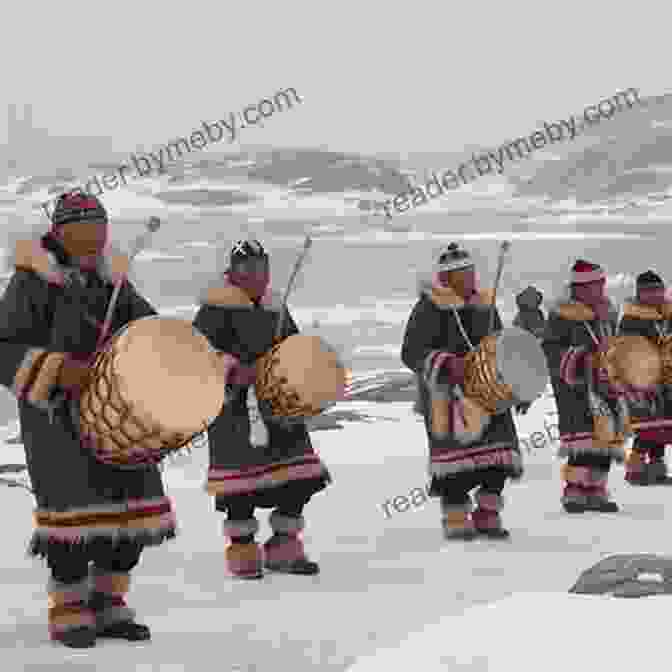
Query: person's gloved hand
x=243 y=374
x=236 y=373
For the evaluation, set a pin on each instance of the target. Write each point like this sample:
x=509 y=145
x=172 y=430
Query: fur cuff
x=489 y=501
x=572 y=365
x=109 y=583
x=69 y=607
x=240 y=528
x=577 y=476
x=286 y=524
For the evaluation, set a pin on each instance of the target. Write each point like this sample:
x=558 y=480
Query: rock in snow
x=636 y=575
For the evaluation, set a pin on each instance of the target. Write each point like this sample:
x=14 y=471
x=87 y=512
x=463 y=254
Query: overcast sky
x=374 y=76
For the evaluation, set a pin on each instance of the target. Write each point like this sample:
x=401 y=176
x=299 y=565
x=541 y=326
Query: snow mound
x=528 y=632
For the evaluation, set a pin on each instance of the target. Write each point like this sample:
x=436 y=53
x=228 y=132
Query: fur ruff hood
x=225 y=294
x=635 y=310
x=445 y=297
x=29 y=254
x=570 y=309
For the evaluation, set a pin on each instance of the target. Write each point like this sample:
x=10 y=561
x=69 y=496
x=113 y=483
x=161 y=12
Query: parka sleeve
x=565 y=361
x=422 y=338
x=136 y=305
x=633 y=327
x=28 y=368
x=289 y=328
x=215 y=324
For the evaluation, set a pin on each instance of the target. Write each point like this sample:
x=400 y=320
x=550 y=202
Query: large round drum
x=508 y=368
x=636 y=360
x=300 y=377
x=155 y=386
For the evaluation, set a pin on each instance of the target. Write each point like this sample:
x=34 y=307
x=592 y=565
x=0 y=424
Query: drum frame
x=109 y=439
x=482 y=381
x=274 y=393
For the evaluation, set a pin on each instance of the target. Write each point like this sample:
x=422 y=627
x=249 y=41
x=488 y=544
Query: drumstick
x=297 y=266
x=138 y=245
x=504 y=248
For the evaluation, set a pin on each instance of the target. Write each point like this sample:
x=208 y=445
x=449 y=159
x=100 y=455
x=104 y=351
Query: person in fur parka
x=591 y=418
x=256 y=461
x=434 y=348
x=50 y=318
x=649 y=314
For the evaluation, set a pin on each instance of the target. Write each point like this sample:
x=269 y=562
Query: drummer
x=256 y=462
x=50 y=315
x=577 y=328
x=450 y=314
x=649 y=314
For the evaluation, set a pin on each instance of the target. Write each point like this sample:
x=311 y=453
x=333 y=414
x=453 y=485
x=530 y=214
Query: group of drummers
x=94 y=369
x=609 y=366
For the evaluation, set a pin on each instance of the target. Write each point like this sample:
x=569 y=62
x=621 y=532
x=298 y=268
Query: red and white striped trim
x=583 y=443
x=450 y=461
x=226 y=482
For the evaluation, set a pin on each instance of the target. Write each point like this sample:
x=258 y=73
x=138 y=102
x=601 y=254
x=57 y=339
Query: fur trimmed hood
x=446 y=297
x=635 y=310
x=227 y=295
x=29 y=254
x=570 y=309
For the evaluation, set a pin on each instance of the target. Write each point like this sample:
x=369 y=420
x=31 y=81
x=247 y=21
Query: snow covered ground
x=383 y=576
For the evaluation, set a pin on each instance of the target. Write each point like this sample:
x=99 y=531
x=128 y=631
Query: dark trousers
x=71 y=565
x=656 y=451
x=455 y=490
x=290 y=507
x=590 y=461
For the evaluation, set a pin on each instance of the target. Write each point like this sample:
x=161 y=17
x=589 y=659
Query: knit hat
x=247 y=249
x=649 y=280
x=454 y=258
x=78 y=206
x=585 y=271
